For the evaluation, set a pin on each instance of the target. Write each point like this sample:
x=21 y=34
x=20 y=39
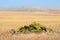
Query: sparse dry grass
x=10 y=20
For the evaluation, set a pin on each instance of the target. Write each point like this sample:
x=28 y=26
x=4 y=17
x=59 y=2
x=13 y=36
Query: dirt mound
x=31 y=36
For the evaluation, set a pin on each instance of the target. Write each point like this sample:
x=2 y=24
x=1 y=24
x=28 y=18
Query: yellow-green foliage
x=18 y=29
x=34 y=27
x=34 y=30
x=23 y=30
x=48 y=29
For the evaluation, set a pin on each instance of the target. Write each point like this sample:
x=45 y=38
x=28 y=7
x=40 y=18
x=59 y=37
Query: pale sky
x=20 y=3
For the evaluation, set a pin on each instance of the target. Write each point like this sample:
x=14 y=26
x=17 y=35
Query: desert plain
x=13 y=19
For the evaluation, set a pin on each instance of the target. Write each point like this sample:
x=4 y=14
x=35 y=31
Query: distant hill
x=30 y=8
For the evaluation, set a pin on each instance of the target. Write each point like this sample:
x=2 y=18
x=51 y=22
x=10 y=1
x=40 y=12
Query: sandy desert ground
x=9 y=20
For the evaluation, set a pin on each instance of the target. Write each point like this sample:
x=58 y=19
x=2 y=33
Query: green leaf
x=34 y=30
x=24 y=30
x=18 y=29
x=48 y=29
x=36 y=25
